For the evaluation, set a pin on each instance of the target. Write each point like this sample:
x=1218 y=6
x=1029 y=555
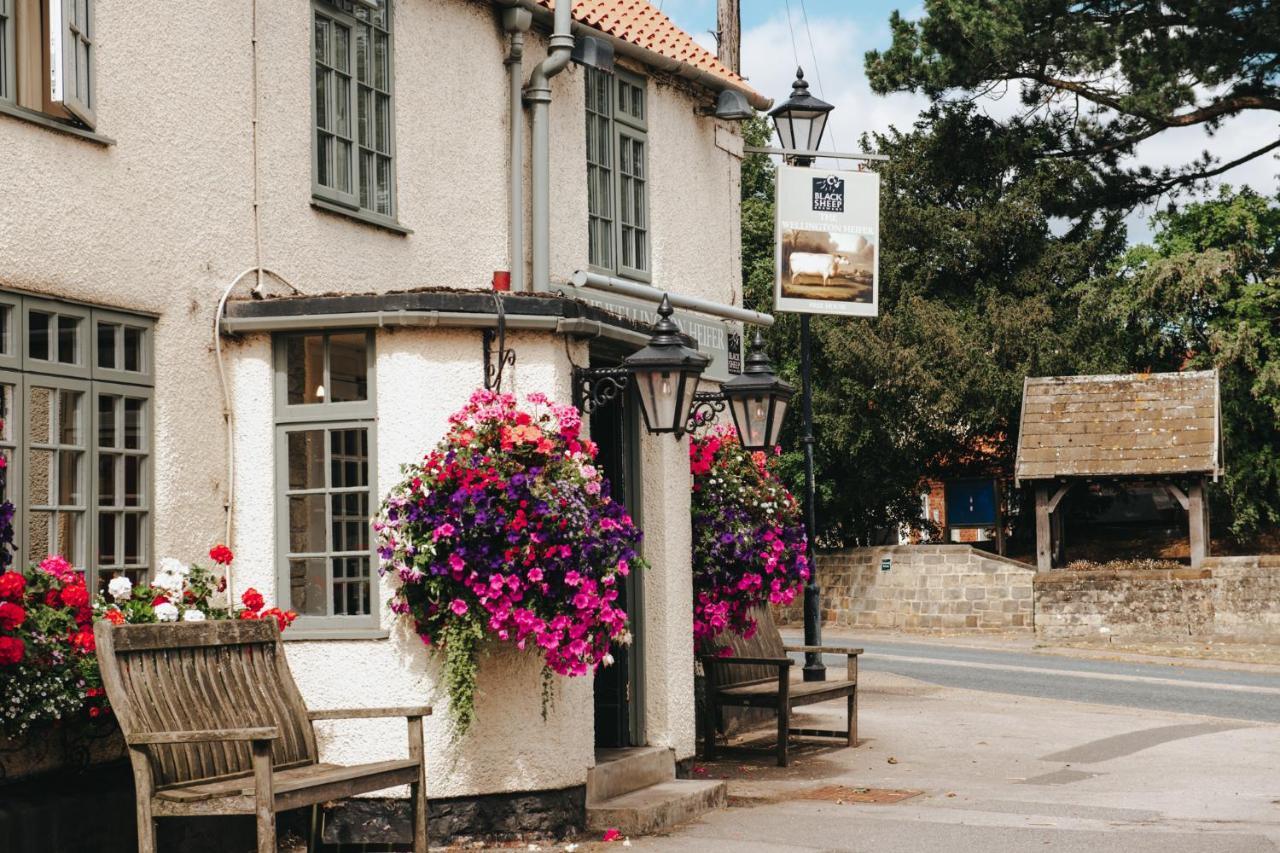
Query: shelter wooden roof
x=1119 y=425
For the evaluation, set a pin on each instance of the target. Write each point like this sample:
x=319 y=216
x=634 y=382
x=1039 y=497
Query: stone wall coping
x=1068 y=576
x=927 y=549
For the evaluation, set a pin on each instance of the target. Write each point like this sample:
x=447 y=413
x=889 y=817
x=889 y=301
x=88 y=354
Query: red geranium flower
x=159 y=599
x=11 y=615
x=252 y=599
x=114 y=616
x=248 y=614
x=284 y=618
x=94 y=711
x=52 y=599
x=82 y=641
x=11 y=650
x=220 y=554
x=12 y=585
x=75 y=595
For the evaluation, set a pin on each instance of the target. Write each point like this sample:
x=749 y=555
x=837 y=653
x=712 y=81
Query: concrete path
x=1016 y=765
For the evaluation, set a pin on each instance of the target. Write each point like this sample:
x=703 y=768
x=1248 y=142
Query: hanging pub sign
x=828 y=242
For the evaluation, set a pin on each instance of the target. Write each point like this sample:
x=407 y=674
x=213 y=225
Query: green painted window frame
x=619 y=222
x=365 y=143
x=325 y=417
x=8 y=51
x=22 y=374
x=76 y=56
x=118 y=452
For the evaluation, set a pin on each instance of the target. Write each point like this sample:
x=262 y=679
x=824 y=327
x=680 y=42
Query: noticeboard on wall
x=827 y=242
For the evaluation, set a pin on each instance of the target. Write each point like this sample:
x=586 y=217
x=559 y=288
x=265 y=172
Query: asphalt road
x=1212 y=692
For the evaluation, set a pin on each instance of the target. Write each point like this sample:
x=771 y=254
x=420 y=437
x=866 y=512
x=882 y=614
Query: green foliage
x=1207 y=295
x=1097 y=78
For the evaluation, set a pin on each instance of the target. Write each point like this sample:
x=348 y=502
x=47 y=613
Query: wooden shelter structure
x=1162 y=428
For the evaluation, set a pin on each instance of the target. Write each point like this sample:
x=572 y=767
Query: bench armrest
x=203 y=735
x=717 y=660
x=369 y=713
x=826 y=650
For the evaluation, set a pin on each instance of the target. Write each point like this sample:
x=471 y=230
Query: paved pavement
x=1013 y=751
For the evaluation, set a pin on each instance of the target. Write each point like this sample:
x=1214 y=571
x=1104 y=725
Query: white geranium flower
x=172 y=566
x=193 y=616
x=121 y=588
x=170 y=583
x=166 y=612
x=607 y=660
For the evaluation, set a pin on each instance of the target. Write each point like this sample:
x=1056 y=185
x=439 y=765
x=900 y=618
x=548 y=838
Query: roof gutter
x=656 y=60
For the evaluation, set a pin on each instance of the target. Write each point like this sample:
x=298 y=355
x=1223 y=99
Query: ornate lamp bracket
x=706 y=405
x=594 y=387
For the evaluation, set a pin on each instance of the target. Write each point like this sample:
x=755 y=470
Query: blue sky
x=840 y=32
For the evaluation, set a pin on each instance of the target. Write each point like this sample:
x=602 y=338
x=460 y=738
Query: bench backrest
x=203 y=675
x=766 y=642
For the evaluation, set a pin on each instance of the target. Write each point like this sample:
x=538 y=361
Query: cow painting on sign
x=821 y=265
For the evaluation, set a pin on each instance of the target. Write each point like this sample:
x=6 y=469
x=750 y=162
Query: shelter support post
x=1198 y=517
x=1044 y=545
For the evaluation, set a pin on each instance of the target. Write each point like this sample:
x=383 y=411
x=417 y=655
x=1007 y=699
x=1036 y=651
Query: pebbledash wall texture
x=924 y=587
x=161 y=221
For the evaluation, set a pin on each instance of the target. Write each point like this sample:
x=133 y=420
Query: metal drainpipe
x=538 y=94
x=516 y=22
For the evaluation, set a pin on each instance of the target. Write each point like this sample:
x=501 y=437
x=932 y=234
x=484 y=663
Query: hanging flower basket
x=748 y=537
x=506 y=532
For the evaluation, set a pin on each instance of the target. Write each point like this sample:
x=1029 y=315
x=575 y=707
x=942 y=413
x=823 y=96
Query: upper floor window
x=54 y=76
x=617 y=174
x=76 y=404
x=325 y=478
x=353 y=156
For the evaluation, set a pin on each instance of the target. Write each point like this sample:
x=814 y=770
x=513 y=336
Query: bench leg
x=264 y=796
x=146 y=825
x=853 y=717
x=418 y=790
x=784 y=725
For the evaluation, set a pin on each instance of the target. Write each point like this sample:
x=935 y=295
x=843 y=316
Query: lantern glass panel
x=659 y=396
x=816 y=127
x=688 y=387
x=775 y=426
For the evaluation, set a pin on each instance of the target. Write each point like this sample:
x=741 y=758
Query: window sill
x=298 y=633
x=628 y=275
x=51 y=123
x=362 y=216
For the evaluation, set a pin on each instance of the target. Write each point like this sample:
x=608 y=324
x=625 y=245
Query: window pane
x=307 y=583
x=341 y=48
x=307 y=524
x=350 y=586
x=306 y=459
x=40 y=415
x=107 y=407
x=384 y=186
x=40 y=479
x=6 y=311
x=342 y=105
x=348 y=367
x=349 y=458
x=304 y=369
x=107 y=539
x=381 y=66
x=133 y=422
x=39 y=524
x=133 y=480
x=68 y=336
x=107 y=479
x=350 y=521
x=38 y=324
x=134 y=538
x=69 y=417
x=68 y=536
x=107 y=345
x=132 y=349
x=322 y=39
x=69 y=477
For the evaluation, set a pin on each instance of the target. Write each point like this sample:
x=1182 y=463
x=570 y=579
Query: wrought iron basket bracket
x=594 y=387
x=706 y=405
x=505 y=357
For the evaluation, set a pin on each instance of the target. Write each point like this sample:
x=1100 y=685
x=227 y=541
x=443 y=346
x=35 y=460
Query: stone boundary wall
x=954 y=588
x=1226 y=599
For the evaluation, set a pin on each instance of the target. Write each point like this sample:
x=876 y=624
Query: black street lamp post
x=800 y=121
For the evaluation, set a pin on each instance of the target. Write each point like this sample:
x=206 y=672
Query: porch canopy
x=1156 y=427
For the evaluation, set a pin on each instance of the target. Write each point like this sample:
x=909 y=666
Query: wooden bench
x=758 y=675
x=215 y=725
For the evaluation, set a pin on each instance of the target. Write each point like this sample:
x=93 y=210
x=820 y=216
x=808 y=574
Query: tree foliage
x=1207 y=295
x=1099 y=77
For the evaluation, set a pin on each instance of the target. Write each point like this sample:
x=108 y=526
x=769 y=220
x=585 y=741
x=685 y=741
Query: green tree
x=1207 y=295
x=1099 y=77
x=977 y=291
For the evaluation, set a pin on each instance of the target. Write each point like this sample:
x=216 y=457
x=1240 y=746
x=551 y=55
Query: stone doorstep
x=658 y=808
x=621 y=771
